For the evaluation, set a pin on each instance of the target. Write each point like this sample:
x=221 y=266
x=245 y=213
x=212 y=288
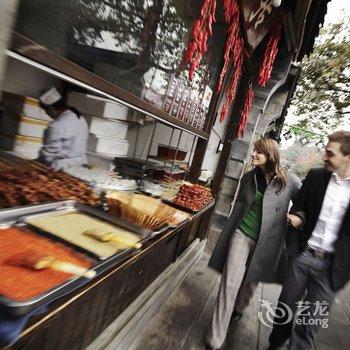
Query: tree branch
x=166 y=70
x=335 y=88
x=133 y=13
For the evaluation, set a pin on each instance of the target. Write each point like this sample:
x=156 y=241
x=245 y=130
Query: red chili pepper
x=213 y=11
x=190 y=50
x=205 y=7
x=223 y=113
x=203 y=46
x=248 y=102
x=233 y=44
x=210 y=23
x=199 y=39
x=201 y=30
x=196 y=28
x=269 y=56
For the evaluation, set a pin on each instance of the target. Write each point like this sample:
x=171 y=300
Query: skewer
x=36 y=261
x=111 y=237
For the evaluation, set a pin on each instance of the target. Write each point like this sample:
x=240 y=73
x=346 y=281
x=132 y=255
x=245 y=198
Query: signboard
x=258 y=16
x=207 y=95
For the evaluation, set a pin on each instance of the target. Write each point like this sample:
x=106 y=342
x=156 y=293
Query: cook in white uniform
x=65 y=138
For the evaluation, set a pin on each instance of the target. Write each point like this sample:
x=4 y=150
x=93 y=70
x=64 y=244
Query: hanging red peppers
x=230 y=92
x=234 y=48
x=248 y=102
x=231 y=13
x=270 y=56
x=201 y=30
x=233 y=51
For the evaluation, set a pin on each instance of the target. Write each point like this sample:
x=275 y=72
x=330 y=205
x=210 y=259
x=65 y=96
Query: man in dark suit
x=322 y=210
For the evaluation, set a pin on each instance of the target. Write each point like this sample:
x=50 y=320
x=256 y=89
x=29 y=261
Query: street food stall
x=62 y=246
x=83 y=243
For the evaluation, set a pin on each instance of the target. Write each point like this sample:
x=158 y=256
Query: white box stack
x=22 y=125
x=19 y=124
x=98 y=106
x=108 y=127
x=25 y=146
x=108 y=145
x=25 y=105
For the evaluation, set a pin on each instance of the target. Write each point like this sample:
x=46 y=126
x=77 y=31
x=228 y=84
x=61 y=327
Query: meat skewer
x=37 y=261
x=112 y=237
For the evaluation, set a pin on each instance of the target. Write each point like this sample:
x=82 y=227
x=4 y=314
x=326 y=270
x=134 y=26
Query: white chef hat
x=50 y=97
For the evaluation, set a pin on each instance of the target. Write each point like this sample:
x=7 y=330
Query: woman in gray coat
x=250 y=246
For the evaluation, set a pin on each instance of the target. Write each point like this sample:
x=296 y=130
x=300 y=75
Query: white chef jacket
x=65 y=141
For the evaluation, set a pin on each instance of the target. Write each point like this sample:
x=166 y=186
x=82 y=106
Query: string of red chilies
x=201 y=31
x=248 y=102
x=270 y=55
x=233 y=54
x=231 y=14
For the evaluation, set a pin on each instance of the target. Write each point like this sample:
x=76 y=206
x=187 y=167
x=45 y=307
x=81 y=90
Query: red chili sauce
x=22 y=283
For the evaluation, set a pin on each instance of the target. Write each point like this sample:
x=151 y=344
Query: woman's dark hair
x=269 y=148
x=60 y=105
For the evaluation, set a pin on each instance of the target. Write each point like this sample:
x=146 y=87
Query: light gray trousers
x=233 y=294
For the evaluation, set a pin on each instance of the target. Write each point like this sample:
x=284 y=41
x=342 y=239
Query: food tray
x=9 y=217
x=178 y=206
x=93 y=213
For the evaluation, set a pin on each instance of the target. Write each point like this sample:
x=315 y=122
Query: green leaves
x=322 y=99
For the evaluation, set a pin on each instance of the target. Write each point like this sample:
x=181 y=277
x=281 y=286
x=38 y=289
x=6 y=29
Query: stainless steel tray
x=9 y=217
x=99 y=214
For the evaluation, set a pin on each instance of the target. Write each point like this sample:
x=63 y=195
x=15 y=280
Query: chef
x=66 y=136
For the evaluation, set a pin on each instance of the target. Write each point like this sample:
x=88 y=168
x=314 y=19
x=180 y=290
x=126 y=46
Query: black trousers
x=311 y=275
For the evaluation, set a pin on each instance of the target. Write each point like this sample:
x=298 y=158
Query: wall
x=8 y=10
x=139 y=144
x=217 y=134
x=25 y=80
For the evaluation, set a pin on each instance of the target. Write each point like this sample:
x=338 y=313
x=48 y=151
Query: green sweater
x=251 y=222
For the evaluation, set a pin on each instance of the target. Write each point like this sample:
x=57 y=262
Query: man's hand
x=294 y=220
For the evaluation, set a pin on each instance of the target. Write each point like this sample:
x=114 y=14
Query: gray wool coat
x=264 y=263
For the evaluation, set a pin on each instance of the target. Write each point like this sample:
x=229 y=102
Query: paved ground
x=182 y=321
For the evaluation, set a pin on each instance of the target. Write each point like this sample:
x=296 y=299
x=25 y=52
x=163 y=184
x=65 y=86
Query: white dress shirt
x=334 y=207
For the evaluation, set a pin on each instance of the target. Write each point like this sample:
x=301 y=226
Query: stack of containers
x=107 y=127
x=22 y=125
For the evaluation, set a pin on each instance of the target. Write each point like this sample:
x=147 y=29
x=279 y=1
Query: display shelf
x=169 y=161
x=31 y=53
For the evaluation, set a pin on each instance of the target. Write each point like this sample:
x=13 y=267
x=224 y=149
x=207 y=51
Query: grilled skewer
x=111 y=237
x=36 y=261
